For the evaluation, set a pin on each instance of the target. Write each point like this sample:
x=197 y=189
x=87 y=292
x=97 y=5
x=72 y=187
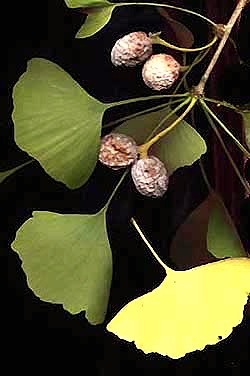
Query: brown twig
x=199 y=89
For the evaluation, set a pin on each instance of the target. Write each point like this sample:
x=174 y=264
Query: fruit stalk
x=143 y=149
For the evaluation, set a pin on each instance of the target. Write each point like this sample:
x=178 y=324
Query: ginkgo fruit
x=188 y=310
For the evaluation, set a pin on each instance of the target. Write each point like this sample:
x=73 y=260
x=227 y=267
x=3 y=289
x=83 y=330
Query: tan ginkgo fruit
x=160 y=71
x=132 y=49
x=117 y=150
x=189 y=310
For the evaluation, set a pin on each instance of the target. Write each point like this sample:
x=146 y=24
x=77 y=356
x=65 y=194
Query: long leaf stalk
x=221 y=103
x=222 y=125
x=196 y=61
x=145 y=99
x=188 y=11
x=105 y=208
x=143 y=149
x=213 y=126
x=142 y=112
x=143 y=237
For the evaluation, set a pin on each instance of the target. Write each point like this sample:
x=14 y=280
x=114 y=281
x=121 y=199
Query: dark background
x=42 y=335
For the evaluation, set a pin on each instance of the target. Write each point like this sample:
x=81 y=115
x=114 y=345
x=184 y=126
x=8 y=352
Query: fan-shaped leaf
x=189 y=310
x=67 y=260
x=180 y=147
x=222 y=236
x=57 y=122
x=95 y=22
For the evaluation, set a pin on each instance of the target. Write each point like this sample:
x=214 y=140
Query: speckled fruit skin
x=131 y=50
x=117 y=150
x=150 y=176
x=160 y=71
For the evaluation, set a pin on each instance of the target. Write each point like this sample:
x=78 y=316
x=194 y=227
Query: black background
x=40 y=335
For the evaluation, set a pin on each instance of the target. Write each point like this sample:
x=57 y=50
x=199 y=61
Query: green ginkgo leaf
x=67 y=260
x=99 y=13
x=57 y=122
x=222 y=237
x=180 y=147
x=87 y=3
x=95 y=21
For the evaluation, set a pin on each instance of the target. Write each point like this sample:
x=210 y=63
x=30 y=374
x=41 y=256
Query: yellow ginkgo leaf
x=189 y=310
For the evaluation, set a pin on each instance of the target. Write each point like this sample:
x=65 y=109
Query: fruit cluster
x=159 y=71
x=149 y=174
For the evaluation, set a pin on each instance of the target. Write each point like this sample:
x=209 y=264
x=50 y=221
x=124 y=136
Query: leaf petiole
x=204 y=175
x=131 y=116
x=196 y=61
x=158 y=259
x=171 y=7
x=221 y=103
x=143 y=99
x=213 y=126
x=5 y=174
x=115 y=190
x=237 y=142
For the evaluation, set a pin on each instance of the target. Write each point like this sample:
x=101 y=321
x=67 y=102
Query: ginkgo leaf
x=189 y=310
x=57 y=122
x=99 y=13
x=180 y=147
x=67 y=260
x=222 y=237
x=95 y=21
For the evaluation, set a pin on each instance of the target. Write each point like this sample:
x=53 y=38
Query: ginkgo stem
x=158 y=259
x=220 y=103
x=143 y=99
x=147 y=110
x=240 y=146
x=204 y=175
x=14 y=170
x=185 y=84
x=196 y=61
x=242 y=180
x=115 y=190
x=157 y=40
x=143 y=149
x=203 y=172
x=23 y=165
x=171 y=7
